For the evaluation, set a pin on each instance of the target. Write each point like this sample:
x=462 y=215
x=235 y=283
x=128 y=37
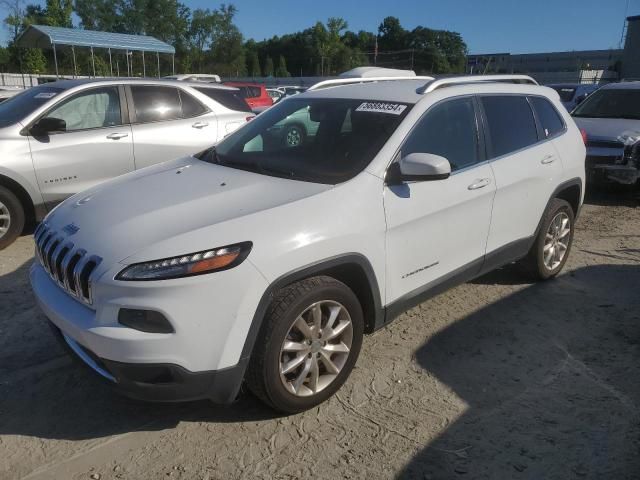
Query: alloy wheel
x=556 y=242
x=5 y=219
x=316 y=348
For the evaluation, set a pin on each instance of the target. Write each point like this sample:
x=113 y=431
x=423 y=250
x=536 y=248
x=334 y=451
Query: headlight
x=208 y=261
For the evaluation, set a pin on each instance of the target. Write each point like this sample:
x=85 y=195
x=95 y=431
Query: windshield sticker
x=46 y=95
x=381 y=107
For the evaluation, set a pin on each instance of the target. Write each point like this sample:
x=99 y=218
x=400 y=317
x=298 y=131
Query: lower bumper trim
x=155 y=382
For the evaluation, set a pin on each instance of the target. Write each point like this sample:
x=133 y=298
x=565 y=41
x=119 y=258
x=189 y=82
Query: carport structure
x=42 y=36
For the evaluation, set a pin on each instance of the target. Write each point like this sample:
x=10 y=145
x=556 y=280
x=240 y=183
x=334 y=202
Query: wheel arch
x=566 y=191
x=23 y=196
x=352 y=269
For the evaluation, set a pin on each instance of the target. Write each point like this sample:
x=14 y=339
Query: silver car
x=61 y=138
x=610 y=121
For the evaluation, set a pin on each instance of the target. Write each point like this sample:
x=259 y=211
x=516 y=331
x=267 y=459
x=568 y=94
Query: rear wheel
x=309 y=343
x=551 y=248
x=11 y=217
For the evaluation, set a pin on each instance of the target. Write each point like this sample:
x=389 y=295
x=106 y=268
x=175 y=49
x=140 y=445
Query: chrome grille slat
x=71 y=268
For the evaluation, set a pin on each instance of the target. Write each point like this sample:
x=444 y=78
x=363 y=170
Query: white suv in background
x=61 y=138
x=260 y=262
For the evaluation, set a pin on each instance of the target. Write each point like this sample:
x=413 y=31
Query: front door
x=437 y=229
x=96 y=145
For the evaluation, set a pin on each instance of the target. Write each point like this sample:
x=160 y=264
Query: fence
x=584 y=76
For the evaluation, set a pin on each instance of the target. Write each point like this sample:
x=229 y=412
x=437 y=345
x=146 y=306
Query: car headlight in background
x=208 y=261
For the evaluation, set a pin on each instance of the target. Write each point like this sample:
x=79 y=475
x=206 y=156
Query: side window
x=449 y=130
x=230 y=99
x=95 y=108
x=548 y=116
x=190 y=106
x=154 y=104
x=511 y=123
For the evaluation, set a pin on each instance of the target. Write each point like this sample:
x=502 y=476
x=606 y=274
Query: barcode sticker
x=382 y=107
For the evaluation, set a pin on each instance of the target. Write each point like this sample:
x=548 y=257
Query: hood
x=131 y=213
x=607 y=128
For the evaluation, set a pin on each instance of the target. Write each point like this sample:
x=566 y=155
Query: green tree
x=227 y=51
x=58 y=13
x=201 y=33
x=34 y=61
x=392 y=35
x=268 y=67
x=254 y=65
x=282 y=71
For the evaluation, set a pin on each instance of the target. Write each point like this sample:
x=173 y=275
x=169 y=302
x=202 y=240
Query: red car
x=254 y=94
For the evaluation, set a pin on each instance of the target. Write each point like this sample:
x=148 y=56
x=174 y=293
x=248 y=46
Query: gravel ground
x=498 y=378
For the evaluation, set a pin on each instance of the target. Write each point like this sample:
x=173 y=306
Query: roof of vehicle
x=404 y=91
x=571 y=85
x=635 y=85
x=244 y=84
x=76 y=82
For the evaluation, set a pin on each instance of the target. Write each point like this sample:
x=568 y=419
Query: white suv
x=260 y=262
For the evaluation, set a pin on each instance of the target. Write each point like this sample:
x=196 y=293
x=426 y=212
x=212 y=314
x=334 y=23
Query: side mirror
x=47 y=125
x=419 y=167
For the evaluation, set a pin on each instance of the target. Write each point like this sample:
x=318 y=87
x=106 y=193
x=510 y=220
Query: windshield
x=566 y=93
x=315 y=140
x=611 y=103
x=16 y=108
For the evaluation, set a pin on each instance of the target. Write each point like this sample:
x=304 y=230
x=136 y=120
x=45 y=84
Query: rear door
x=168 y=123
x=437 y=229
x=526 y=166
x=96 y=146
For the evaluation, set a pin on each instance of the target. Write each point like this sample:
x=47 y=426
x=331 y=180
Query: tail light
x=248 y=119
x=583 y=132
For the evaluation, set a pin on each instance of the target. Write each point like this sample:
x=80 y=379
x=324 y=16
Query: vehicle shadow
x=44 y=394
x=549 y=379
x=608 y=195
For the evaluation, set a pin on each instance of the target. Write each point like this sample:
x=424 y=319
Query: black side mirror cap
x=48 y=125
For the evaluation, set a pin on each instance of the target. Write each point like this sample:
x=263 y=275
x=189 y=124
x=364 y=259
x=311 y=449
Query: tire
x=294 y=135
x=538 y=262
x=11 y=217
x=298 y=302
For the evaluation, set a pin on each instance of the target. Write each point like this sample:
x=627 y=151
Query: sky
x=487 y=26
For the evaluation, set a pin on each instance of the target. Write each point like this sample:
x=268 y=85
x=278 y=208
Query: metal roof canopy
x=43 y=36
x=40 y=36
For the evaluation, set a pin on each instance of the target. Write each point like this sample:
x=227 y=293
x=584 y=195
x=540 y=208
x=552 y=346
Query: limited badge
x=382 y=107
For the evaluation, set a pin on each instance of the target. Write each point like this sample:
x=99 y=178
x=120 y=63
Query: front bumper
x=202 y=358
x=158 y=382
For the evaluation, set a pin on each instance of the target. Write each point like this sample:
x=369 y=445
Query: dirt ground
x=498 y=378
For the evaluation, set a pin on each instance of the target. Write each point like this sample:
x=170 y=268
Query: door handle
x=200 y=125
x=479 y=183
x=117 y=136
x=548 y=159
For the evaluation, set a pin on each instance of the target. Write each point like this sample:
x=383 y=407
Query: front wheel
x=308 y=345
x=551 y=248
x=11 y=218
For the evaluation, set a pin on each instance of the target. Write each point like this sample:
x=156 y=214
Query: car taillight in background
x=583 y=132
x=248 y=119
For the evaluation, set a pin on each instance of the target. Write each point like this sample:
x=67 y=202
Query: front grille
x=68 y=266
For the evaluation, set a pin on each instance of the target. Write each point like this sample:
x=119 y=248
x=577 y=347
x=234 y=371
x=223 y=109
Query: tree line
x=209 y=41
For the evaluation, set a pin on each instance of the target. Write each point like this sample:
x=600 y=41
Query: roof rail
x=346 y=81
x=465 y=79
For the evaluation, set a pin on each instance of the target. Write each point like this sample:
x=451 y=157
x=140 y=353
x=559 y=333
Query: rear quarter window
x=227 y=98
x=190 y=106
x=548 y=116
x=510 y=122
